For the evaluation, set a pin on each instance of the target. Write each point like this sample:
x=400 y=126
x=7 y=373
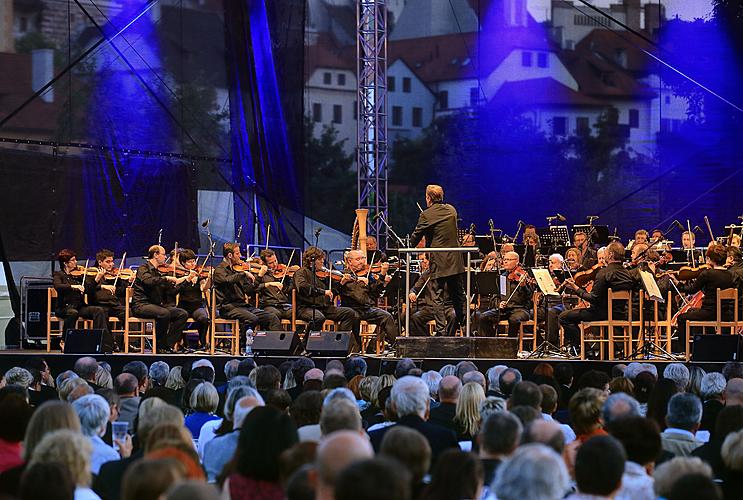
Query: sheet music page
x=503 y=284
x=648 y=281
x=545 y=282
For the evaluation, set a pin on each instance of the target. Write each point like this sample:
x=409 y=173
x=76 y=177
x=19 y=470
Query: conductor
x=438 y=224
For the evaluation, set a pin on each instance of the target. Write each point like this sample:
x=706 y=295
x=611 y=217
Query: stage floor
x=376 y=364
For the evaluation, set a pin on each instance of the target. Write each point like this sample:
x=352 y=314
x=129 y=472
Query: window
x=559 y=125
x=474 y=96
x=390 y=83
x=337 y=113
x=317 y=112
x=582 y=125
x=397 y=115
x=341 y=79
x=542 y=60
x=417 y=117
x=327 y=78
x=526 y=59
x=406 y=85
x=444 y=99
x=634 y=118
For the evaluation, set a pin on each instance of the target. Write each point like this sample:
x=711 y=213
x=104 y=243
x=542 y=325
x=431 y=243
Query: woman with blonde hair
x=467 y=413
x=49 y=417
x=72 y=450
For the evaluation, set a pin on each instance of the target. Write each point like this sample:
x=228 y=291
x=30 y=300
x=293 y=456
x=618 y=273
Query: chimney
x=7 y=43
x=655 y=14
x=42 y=71
x=633 y=9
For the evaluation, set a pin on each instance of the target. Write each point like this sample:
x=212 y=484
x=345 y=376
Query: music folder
x=544 y=281
x=651 y=287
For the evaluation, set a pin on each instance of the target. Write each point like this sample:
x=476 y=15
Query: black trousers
x=201 y=317
x=489 y=320
x=455 y=286
x=382 y=319
x=346 y=318
x=72 y=314
x=118 y=312
x=169 y=320
x=420 y=318
x=572 y=318
x=281 y=311
x=691 y=315
x=250 y=316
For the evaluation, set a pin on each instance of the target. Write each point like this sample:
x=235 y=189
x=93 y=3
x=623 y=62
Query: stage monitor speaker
x=84 y=341
x=275 y=343
x=329 y=344
x=716 y=348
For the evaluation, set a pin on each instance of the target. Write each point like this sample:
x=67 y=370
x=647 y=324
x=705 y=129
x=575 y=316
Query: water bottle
x=249 y=342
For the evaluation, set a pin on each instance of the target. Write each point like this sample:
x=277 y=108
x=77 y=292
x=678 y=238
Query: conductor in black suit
x=438 y=224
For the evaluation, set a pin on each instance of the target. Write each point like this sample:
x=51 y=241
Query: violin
x=334 y=275
x=82 y=270
x=583 y=278
x=519 y=274
x=124 y=274
x=686 y=273
x=282 y=270
x=252 y=267
x=177 y=271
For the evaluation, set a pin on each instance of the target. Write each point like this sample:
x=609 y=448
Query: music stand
x=487 y=283
x=598 y=234
x=649 y=349
x=546 y=349
x=554 y=236
x=395 y=288
x=485 y=243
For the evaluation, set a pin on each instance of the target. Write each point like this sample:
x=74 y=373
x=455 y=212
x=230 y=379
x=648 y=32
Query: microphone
x=318 y=231
x=592 y=218
x=561 y=217
x=206 y=223
x=697 y=229
x=679 y=225
x=378 y=215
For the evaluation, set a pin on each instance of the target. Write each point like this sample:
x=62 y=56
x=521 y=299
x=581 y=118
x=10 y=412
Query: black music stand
x=597 y=234
x=649 y=349
x=396 y=288
x=485 y=243
x=487 y=283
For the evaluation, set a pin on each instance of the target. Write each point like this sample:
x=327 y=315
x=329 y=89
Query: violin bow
x=523 y=278
x=85 y=272
x=289 y=263
x=709 y=228
x=175 y=258
x=691 y=240
x=121 y=266
x=268 y=234
x=368 y=272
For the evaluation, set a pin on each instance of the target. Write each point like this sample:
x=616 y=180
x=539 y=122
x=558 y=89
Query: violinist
x=373 y=254
x=191 y=294
x=233 y=284
x=587 y=253
x=273 y=292
x=103 y=292
x=641 y=237
x=71 y=295
x=555 y=262
x=150 y=301
x=707 y=281
x=515 y=301
x=567 y=267
x=613 y=276
x=421 y=300
x=531 y=245
x=360 y=289
x=315 y=296
x=734 y=264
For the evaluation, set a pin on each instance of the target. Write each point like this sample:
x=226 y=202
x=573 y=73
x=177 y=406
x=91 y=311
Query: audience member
x=86 y=368
x=696 y=374
x=340 y=414
x=372 y=479
x=493 y=376
x=93 y=412
x=644 y=383
x=696 y=487
x=498 y=438
x=335 y=453
x=621 y=384
x=448 y=390
x=127 y=388
x=640 y=438
x=467 y=414
x=526 y=394
x=507 y=381
x=711 y=392
x=733 y=369
x=683 y=418
x=139 y=370
x=729 y=420
x=72 y=450
x=658 y=401
x=457 y=474
x=204 y=401
x=617 y=406
x=734 y=392
x=410 y=448
x=547 y=432
x=680 y=375
x=599 y=466
x=15 y=413
x=151 y=478
x=668 y=473
x=534 y=471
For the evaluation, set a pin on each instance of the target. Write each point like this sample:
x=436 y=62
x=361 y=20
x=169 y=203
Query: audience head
x=456 y=474
x=640 y=438
x=658 y=401
x=15 y=414
x=355 y=365
x=730 y=419
x=508 y=380
x=150 y=416
x=49 y=417
x=403 y=366
x=643 y=384
x=476 y=377
x=733 y=369
x=734 y=392
x=695 y=487
x=93 y=412
x=447 y=370
x=432 y=378
x=464 y=367
x=336 y=452
x=585 y=410
x=526 y=414
x=85 y=368
x=245 y=366
x=546 y=432
x=491 y=405
x=139 y=370
x=69 y=448
x=668 y=473
x=334 y=380
x=564 y=373
x=65 y=375
x=410 y=448
x=244 y=406
x=126 y=385
x=151 y=478
x=267 y=377
x=410 y=397
x=599 y=466
x=534 y=471
x=159 y=371
x=306 y=409
x=192 y=490
x=595 y=379
x=712 y=386
x=493 y=375
x=340 y=414
x=175 y=380
x=204 y=398
x=372 y=479
x=526 y=394
x=467 y=413
x=230 y=369
x=619 y=405
x=499 y=435
x=679 y=374
x=265 y=434
x=50 y=481
x=449 y=389
x=696 y=374
x=684 y=412
x=549 y=398
x=621 y=384
x=732 y=452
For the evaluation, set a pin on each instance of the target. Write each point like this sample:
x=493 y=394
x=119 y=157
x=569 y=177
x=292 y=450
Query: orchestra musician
x=233 y=284
x=613 y=276
x=149 y=300
x=687 y=240
x=422 y=299
x=587 y=253
x=438 y=224
x=191 y=294
x=315 y=297
x=557 y=263
x=641 y=237
x=274 y=293
x=71 y=295
x=102 y=291
x=734 y=264
x=531 y=245
x=515 y=302
x=708 y=281
x=360 y=289
x=373 y=254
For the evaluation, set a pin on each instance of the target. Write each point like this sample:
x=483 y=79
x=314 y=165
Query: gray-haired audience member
x=339 y=393
x=464 y=367
x=93 y=412
x=20 y=377
x=65 y=375
x=86 y=367
x=667 y=473
x=508 y=380
x=712 y=392
x=159 y=371
x=533 y=472
x=447 y=370
x=679 y=374
x=474 y=376
x=432 y=379
x=734 y=392
x=336 y=452
x=547 y=432
x=683 y=418
x=230 y=368
x=619 y=405
x=403 y=366
x=491 y=405
x=498 y=438
x=340 y=414
x=493 y=375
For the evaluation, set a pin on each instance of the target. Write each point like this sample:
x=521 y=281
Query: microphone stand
x=403 y=244
x=389 y=228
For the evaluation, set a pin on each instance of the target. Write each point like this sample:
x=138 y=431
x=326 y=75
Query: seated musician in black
x=274 y=293
x=567 y=267
x=708 y=281
x=613 y=275
x=315 y=297
x=190 y=294
x=514 y=303
x=734 y=263
x=422 y=300
x=587 y=253
x=235 y=288
x=149 y=300
x=71 y=296
x=107 y=292
x=360 y=290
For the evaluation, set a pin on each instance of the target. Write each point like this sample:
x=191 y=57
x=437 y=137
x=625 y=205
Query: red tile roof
x=542 y=92
x=326 y=54
x=15 y=88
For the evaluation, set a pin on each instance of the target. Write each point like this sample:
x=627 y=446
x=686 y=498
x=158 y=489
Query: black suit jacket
x=438 y=223
x=439 y=438
x=613 y=276
x=108 y=481
x=443 y=415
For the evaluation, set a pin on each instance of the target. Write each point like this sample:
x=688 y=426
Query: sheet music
x=545 y=282
x=648 y=281
x=503 y=284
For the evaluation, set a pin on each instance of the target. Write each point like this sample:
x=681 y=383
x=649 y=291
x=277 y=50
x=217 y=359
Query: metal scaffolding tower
x=371 y=126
